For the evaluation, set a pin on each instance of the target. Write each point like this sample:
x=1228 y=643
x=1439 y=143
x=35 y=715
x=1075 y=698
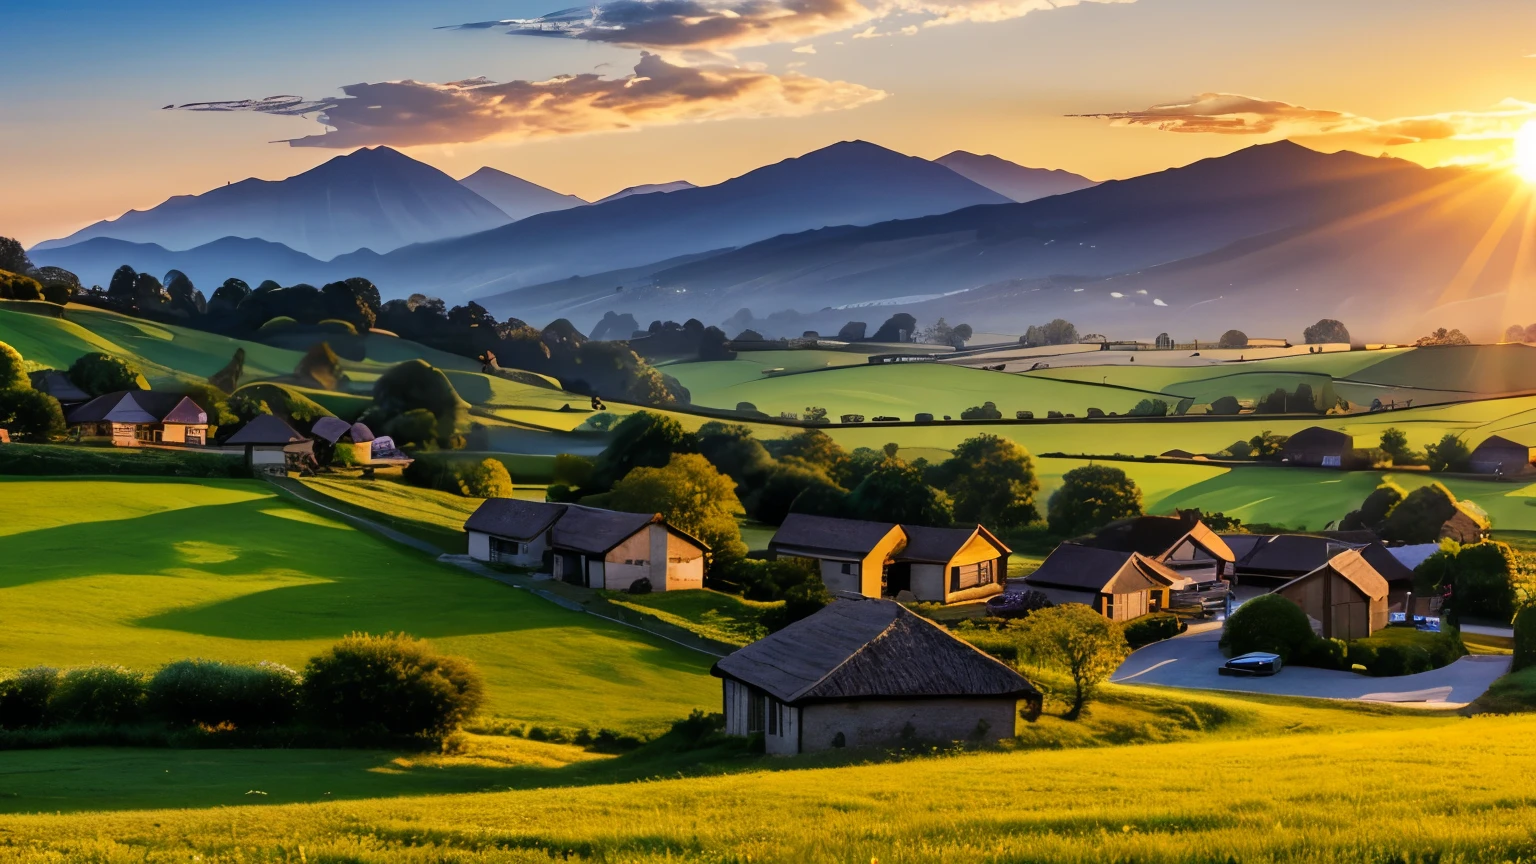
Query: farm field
x=1327 y=795
x=138 y=573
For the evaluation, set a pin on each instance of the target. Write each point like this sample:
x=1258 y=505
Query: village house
x=1181 y=543
x=57 y=384
x=132 y=418
x=1271 y=560
x=271 y=446
x=1118 y=585
x=1502 y=456
x=883 y=559
x=586 y=546
x=868 y=673
x=333 y=435
x=1345 y=598
x=1318 y=447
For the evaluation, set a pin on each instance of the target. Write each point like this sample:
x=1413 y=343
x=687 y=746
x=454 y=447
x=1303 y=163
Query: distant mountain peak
x=518 y=198
x=647 y=189
x=1017 y=182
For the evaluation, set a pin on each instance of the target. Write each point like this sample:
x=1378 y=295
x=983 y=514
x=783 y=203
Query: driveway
x=1192 y=658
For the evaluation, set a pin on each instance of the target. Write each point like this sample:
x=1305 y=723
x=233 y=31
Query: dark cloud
x=410 y=113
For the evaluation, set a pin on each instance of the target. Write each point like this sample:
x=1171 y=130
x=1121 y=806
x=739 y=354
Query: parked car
x=1016 y=604
x=1254 y=665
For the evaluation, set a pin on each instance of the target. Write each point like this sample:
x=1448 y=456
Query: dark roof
x=869 y=649
x=1088 y=568
x=1287 y=554
x=139 y=407
x=1177 y=454
x=1351 y=565
x=1387 y=564
x=823 y=534
x=1499 y=442
x=939 y=545
x=57 y=384
x=333 y=429
x=265 y=429
x=1320 y=438
x=594 y=531
x=1156 y=536
x=509 y=517
x=1242 y=545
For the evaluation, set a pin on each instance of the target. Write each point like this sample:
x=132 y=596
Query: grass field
x=1369 y=787
x=722 y=617
x=141 y=573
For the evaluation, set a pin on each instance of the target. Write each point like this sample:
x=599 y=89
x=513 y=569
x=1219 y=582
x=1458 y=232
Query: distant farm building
x=586 y=546
x=1118 y=585
x=868 y=673
x=1500 y=455
x=333 y=435
x=1318 y=447
x=130 y=418
x=58 y=385
x=271 y=446
x=883 y=559
x=1345 y=598
x=1182 y=543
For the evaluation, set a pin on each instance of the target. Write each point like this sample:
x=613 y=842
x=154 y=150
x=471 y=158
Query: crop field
x=141 y=573
x=1408 y=790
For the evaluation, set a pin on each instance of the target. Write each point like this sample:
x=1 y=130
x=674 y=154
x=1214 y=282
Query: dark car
x=1256 y=664
x=1016 y=604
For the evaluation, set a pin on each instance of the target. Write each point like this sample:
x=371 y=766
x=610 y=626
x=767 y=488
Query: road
x=1191 y=660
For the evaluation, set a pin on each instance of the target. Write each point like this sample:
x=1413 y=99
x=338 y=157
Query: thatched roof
x=859 y=648
x=1156 y=536
x=139 y=407
x=826 y=537
x=940 y=545
x=265 y=430
x=1354 y=569
x=1086 y=568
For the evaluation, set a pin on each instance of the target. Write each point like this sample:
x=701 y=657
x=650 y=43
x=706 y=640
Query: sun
x=1525 y=151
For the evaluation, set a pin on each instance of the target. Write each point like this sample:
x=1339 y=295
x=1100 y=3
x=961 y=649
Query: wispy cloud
x=410 y=113
x=1234 y=114
x=730 y=24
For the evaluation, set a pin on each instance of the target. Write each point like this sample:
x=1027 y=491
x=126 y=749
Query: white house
x=586 y=545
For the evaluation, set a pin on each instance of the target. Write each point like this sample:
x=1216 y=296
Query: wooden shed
x=868 y=673
x=1502 y=456
x=1118 y=585
x=1345 y=598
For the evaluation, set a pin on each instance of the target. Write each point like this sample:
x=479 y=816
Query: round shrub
x=1267 y=623
x=211 y=693
x=640 y=586
x=1393 y=660
x=487 y=478
x=24 y=697
x=109 y=695
x=1153 y=628
x=1324 y=654
x=97 y=373
x=393 y=684
x=13 y=373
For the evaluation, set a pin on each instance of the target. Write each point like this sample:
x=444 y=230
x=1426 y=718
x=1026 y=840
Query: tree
x=984 y=411
x=961 y=335
x=228 y=378
x=1149 y=408
x=1374 y=511
x=1269 y=623
x=14 y=286
x=393 y=684
x=1056 y=332
x=1266 y=445
x=895 y=491
x=184 y=298
x=13 y=371
x=120 y=289
x=97 y=373
x=13 y=256
x=228 y=297
x=1091 y=497
x=1326 y=330
x=641 y=440
x=1233 y=339
x=414 y=384
x=148 y=293
x=1421 y=514
x=1226 y=405
x=1394 y=443
x=415 y=429
x=817 y=448
x=993 y=483
x=1443 y=337
x=1450 y=453
x=774 y=497
x=1074 y=638
x=1514 y=333
x=938 y=333
x=897 y=328
x=30 y=415
x=694 y=498
x=731 y=448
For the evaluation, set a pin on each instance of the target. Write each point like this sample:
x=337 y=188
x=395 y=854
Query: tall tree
x=1091 y=497
x=993 y=482
x=13 y=257
x=693 y=496
x=1326 y=330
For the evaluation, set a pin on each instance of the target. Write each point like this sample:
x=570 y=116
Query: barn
x=1345 y=598
x=1318 y=447
x=1502 y=456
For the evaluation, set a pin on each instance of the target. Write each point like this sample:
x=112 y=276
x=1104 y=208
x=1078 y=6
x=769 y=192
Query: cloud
x=412 y=113
x=804 y=49
x=1234 y=114
x=730 y=24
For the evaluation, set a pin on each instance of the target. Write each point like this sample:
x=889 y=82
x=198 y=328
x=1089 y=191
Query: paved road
x=1191 y=660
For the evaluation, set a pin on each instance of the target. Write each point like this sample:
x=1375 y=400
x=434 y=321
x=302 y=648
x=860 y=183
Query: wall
x=880 y=723
x=619 y=573
x=873 y=566
x=836 y=580
x=683 y=574
x=479 y=546
x=736 y=703
x=930 y=582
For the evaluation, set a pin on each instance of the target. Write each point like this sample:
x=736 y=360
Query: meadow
x=142 y=572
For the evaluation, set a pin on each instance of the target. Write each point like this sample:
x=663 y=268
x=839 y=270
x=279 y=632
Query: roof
x=869 y=649
x=595 y=532
x=823 y=534
x=1499 y=442
x=265 y=429
x=1387 y=564
x=1320 y=437
x=333 y=429
x=1088 y=568
x=1292 y=554
x=940 y=545
x=139 y=407
x=57 y=384
x=1355 y=570
x=1177 y=454
x=509 y=517
x=1156 y=536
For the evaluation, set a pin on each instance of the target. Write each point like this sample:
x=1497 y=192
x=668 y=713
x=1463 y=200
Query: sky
x=646 y=91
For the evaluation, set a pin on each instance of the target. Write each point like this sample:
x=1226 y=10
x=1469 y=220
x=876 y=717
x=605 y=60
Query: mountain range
x=648 y=188
x=1010 y=179
x=513 y=195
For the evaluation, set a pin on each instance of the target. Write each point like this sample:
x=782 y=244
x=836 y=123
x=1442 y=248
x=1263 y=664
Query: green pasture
x=139 y=573
x=714 y=615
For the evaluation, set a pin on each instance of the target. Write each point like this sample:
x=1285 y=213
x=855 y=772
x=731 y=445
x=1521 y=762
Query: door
x=568 y=568
x=897 y=578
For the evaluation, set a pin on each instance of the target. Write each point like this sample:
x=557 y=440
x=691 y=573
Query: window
x=1331 y=461
x=850 y=568
x=966 y=576
x=756 y=708
x=775 y=717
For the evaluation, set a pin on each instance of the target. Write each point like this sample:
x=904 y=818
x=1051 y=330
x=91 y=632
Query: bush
x=211 y=693
x=392 y=684
x=13 y=371
x=640 y=586
x=1153 y=628
x=97 y=373
x=24 y=697
x=1324 y=654
x=30 y=415
x=1525 y=641
x=109 y=695
x=1267 y=623
x=487 y=478
x=1393 y=660
x=1233 y=339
